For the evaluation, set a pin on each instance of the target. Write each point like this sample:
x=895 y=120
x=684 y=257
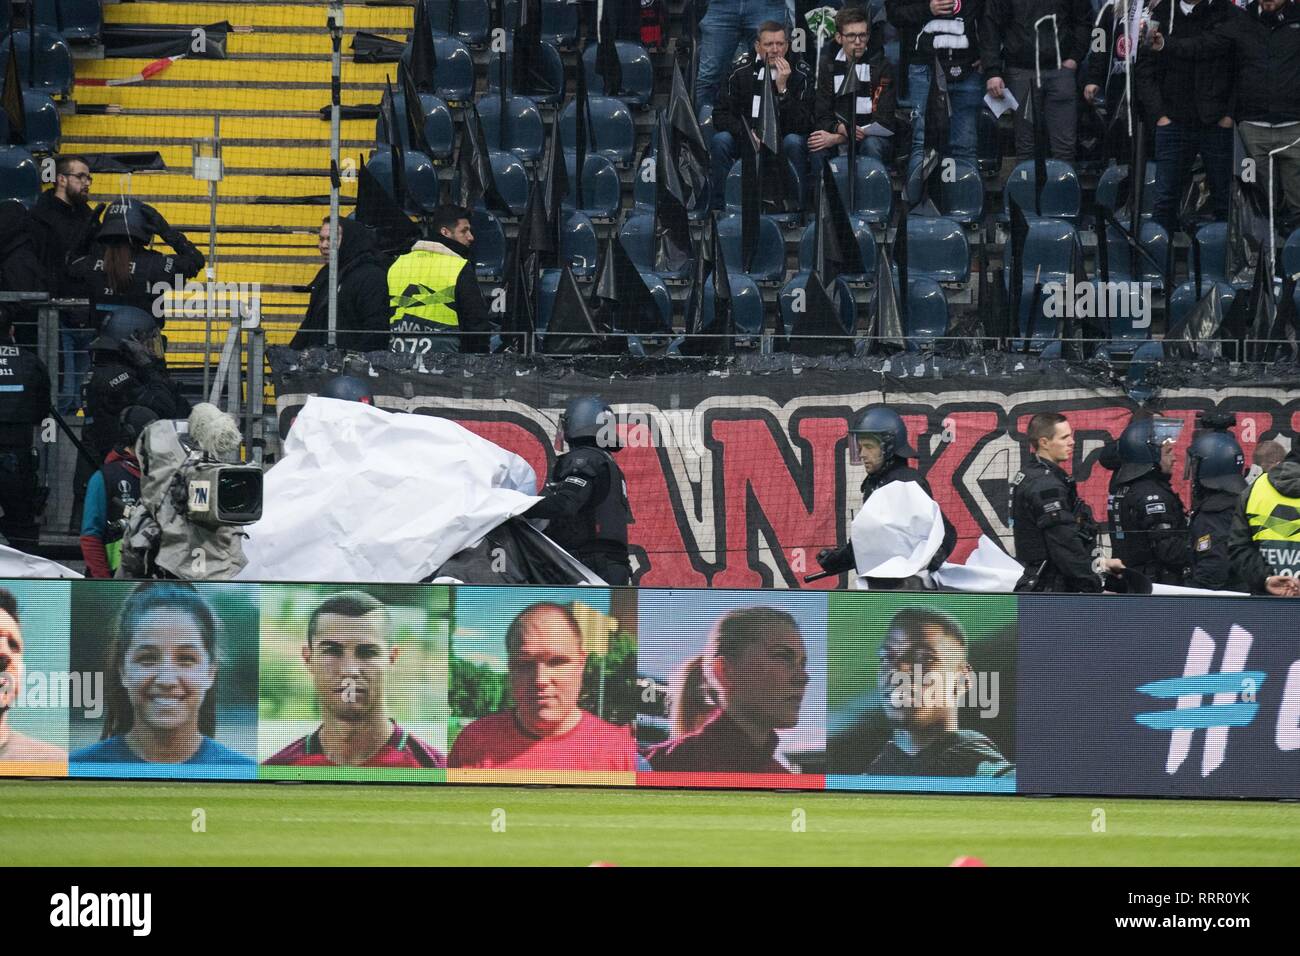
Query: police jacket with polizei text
x=1185 y=90
x=1208 y=528
x=149 y=270
x=114 y=383
x=735 y=105
x=1250 y=569
x=896 y=469
x=1151 y=532
x=586 y=503
x=24 y=395
x=1051 y=524
x=954 y=37
x=1007 y=33
x=1265 y=48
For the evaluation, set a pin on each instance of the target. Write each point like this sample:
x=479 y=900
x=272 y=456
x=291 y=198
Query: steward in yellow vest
x=433 y=292
x=1265 y=540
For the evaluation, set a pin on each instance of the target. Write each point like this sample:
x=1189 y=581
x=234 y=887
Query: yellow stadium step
x=155 y=127
x=212 y=99
x=316 y=72
x=264 y=42
x=308 y=159
x=261 y=273
x=181 y=184
x=355 y=16
x=194 y=215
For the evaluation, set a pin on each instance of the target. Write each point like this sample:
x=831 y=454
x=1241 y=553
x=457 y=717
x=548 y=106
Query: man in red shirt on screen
x=349 y=650
x=546 y=729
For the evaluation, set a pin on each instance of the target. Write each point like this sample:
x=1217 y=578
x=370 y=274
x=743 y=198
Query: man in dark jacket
x=61 y=220
x=946 y=31
x=1150 y=533
x=1188 y=104
x=1264 y=543
x=856 y=84
x=1216 y=463
x=24 y=399
x=1263 y=42
x=1025 y=41
x=363 y=311
x=20 y=267
x=740 y=106
x=880 y=443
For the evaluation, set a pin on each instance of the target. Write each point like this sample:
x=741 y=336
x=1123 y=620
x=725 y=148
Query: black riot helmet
x=348 y=388
x=1216 y=461
x=125 y=218
x=588 y=420
x=133 y=420
x=886 y=425
x=1140 y=444
x=126 y=324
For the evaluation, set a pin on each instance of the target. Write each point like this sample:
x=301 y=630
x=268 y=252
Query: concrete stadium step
x=258 y=14
x=269 y=41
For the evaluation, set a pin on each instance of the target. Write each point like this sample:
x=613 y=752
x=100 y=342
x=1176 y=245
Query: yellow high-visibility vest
x=422 y=286
x=1275 y=522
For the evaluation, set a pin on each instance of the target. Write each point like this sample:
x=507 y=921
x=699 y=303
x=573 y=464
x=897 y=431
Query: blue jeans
x=1176 y=147
x=966 y=96
x=75 y=345
x=724 y=153
x=728 y=26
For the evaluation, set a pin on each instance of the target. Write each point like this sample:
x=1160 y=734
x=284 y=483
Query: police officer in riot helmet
x=127 y=369
x=878 y=441
x=1216 y=466
x=24 y=401
x=1150 y=523
x=1055 y=536
x=586 y=499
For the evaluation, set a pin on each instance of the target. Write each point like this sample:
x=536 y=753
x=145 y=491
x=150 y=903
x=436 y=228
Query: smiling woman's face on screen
x=167 y=672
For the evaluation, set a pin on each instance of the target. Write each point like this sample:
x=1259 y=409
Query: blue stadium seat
x=937 y=249
x=559 y=21
x=643 y=182
x=511 y=179
x=638 y=237
x=962 y=199
x=454 y=73
x=746 y=303
x=421 y=179
x=578 y=245
x=524 y=134
x=489 y=244
x=77 y=21
x=20 y=177
x=1291 y=254
x=472 y=20
x=552 y=68
x=1154 y=240
x=866 y=245
x=1062 y=196
x=1185 y=297
x=1213 y=239
x=1108 y=189
x=612 y=130
x=873 y=192
x=439 y=130
x=848 y=309
x=661 y=296
x=733 y=192
x=43 y=127
x=927 y=313
x=52 y=70
x=638 y=73
x=769 y=257
x=1050 y=247
x=601 y=188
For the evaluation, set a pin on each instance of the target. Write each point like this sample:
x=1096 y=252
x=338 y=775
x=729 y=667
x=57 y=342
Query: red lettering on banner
x=654 y=519
x=754 y=473
x=967 y=429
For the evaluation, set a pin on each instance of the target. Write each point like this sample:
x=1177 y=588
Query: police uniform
x=24 y=399
x=1150 y=534
x=1054 y=533
x=896 y=469
x=1207 y=534
x=586 y=504
x=116 y=382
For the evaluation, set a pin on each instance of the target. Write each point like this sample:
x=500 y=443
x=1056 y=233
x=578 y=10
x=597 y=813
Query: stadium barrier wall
x=1034 y=694
x=739 y=474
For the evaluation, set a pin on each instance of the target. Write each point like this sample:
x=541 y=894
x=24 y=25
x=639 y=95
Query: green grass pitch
x=80 y=823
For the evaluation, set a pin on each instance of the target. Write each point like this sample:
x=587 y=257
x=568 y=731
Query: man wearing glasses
x=855 y=84
x=60 y=221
